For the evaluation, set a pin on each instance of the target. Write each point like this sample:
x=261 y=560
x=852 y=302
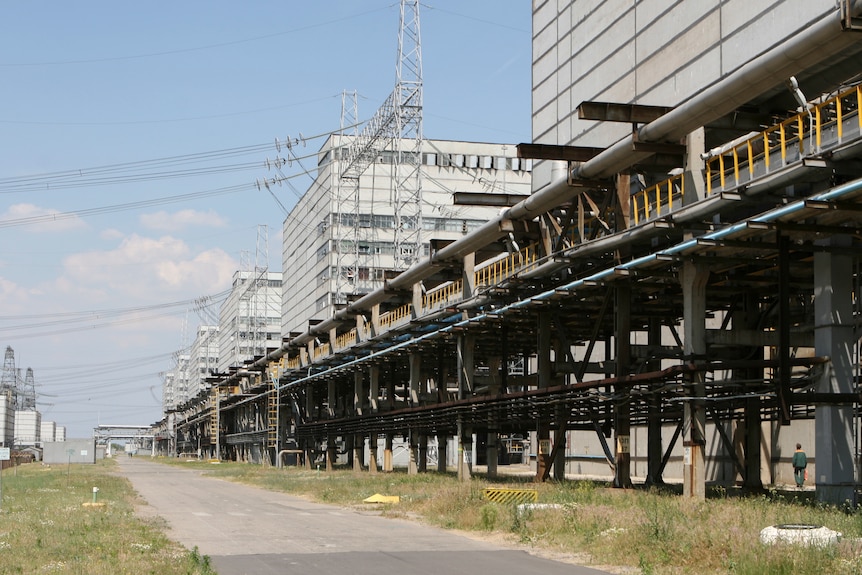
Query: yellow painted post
x=783 y=144
x=736 y=165
x=750 y=159
x=766 y=150
x=839 y=118
x=817 y=120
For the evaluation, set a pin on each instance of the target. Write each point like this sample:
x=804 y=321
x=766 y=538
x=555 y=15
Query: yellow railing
x=390 y=318
x=321 y=350
x=442 y=295
x=346 y=339
x=501 y=269
x=658 y=199
x=802 y=133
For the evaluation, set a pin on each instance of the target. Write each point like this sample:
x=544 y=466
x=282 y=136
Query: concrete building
x=60 y=433
x=28 y=425
x=7 y=418
x=203 y=359
x=47 y=431
x=337 y=247
x=249 y=320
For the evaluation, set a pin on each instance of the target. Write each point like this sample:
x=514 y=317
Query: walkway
x=251 y=531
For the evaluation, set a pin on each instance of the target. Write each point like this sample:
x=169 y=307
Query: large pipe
x=815 y=44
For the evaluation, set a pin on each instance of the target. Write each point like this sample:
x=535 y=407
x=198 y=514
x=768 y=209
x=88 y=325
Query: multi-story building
x=340 y=238
x=60 y=433
x=47 y=431
x=250 y=318
x=28 y=425
x=203 y=359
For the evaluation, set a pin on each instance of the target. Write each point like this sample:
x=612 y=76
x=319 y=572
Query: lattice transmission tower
x=394 y=130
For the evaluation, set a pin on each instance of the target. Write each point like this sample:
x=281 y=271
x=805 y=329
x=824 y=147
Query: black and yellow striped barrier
x=507 y=496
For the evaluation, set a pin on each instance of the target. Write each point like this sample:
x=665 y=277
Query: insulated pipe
x=813 y=45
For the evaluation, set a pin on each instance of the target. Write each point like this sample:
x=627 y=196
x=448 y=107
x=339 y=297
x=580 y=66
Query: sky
x=132 y=136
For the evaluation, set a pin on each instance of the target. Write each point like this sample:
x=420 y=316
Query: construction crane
x=395 y=128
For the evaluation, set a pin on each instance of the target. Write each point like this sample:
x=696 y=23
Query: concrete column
x=442 y=452
x=358 y=451
x=331 y=399
x=415 y=377
x=693 y=278
x=695 y=186
x=358 y=392
x=387 y=453
x=372 y=452
x=374 y=388
x=833 y=336
x=543 y=375
x=491 y=452
x=422 y=461
x=466 y=365
x=465 y=453
x=331 y=453
x=413 y=451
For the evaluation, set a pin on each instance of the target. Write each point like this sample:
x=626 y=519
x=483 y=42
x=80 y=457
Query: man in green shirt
x=800 y=462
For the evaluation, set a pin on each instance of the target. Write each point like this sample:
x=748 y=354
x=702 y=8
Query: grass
x=45 y=528
x=651 y=532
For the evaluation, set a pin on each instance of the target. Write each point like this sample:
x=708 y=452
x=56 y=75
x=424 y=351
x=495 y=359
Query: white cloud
x=172 y=222
x=152 y=269
x=33 y=218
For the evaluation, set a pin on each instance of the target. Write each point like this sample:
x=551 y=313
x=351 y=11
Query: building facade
x=249 y=319
x=340 y=244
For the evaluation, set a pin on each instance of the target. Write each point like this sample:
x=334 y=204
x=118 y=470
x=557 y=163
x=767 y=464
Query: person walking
x=800 y=463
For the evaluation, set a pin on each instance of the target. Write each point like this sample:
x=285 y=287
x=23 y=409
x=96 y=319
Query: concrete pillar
x=358 y=451
x=695 y=186
x=415 y=377
x=422 y=461
x=491 y=452
x=413 y=453
x=465 y=453
x=543 y=375
x=373 y=388
x=834 y=473
x=466 y=365
x=442 y=452
x=387 y=453
x=372 y=452
x=358 y=392
x=693 y=278
x=331 y=453
x=331 y=399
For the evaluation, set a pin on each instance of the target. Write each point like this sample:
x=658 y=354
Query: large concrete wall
x=652 y=52
x=70 y=451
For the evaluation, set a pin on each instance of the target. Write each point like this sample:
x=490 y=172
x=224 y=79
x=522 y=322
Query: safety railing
x=321 y=350
x=499 y=270
x=787 y=142
x=392 y=318
x=346 y=340
x=443 y=295
x=658 y=200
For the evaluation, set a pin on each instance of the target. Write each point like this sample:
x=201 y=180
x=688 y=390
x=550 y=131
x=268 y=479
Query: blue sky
x=132 y=136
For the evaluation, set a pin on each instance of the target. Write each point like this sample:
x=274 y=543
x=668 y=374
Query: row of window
x=468 y=161
x=387 y=222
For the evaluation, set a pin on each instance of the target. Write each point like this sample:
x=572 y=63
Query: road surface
x=250 y=531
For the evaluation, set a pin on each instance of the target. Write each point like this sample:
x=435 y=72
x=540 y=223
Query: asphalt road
x=250 y=531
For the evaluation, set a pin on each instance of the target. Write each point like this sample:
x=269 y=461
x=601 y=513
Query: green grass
x=45 y=528
x=651 y=532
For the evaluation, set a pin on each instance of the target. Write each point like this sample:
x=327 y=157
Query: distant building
x=203 y=359
x=340 y=238
x=47 y=431
x=250 y=318
x=60 y=433
x=28 y=425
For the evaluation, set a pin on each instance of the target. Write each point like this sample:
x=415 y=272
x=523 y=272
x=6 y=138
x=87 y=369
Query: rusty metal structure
x=723 y=296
